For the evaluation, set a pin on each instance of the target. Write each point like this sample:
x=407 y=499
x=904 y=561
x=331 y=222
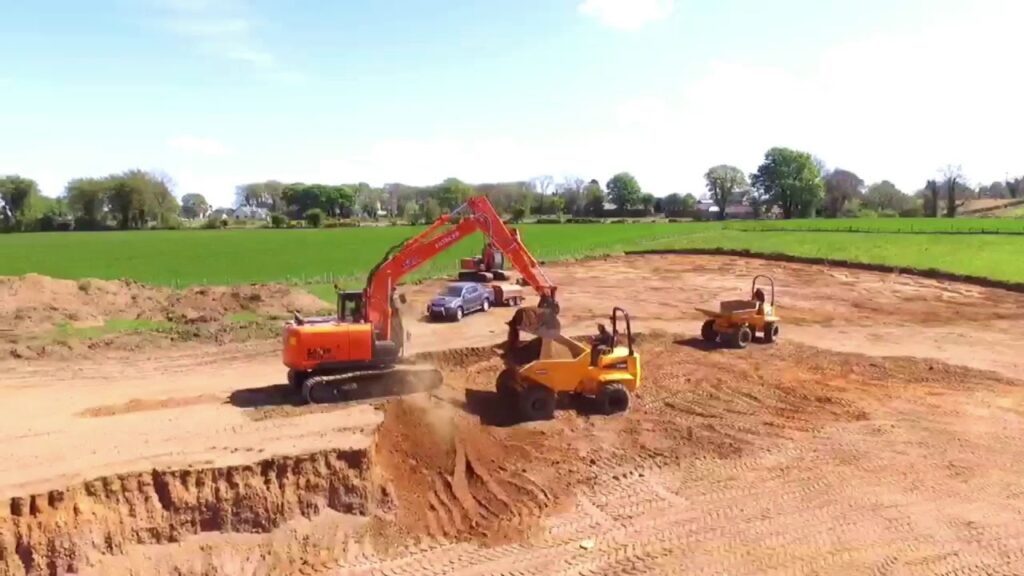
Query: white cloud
x=198 y=145
x=626 y=14
x=892 y=107
x=224 y=28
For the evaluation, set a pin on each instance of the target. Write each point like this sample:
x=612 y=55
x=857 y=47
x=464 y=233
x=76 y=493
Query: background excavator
x=488 y=267
x=366 y=338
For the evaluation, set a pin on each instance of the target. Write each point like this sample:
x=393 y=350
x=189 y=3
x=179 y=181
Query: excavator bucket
x=537 y=320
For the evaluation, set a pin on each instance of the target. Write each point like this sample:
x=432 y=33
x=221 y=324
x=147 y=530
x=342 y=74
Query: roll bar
x=616 y=311
x=753 y=286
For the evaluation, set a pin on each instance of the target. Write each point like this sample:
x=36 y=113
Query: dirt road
x=788 y=459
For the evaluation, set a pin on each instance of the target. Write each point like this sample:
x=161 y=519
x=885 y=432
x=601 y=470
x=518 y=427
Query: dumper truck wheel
x=506 y=385
x=708 y=332
x=743 y=337
x=613 y=398
x=771 y=332
x=537 y=403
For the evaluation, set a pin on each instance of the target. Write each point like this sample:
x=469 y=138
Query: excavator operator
x=489 y=256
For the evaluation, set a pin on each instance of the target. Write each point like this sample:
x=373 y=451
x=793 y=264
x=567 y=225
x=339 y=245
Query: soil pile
x=37 y=301
x=214 y=303
x=33 y=309
x=34 y=300
x=453 y=478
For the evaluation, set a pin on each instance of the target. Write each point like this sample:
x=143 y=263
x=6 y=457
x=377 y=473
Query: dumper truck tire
x=613 y=398
x=537 y=403
x=743 y=337
x=771 y=332
x=708 y=332
x=507 y=384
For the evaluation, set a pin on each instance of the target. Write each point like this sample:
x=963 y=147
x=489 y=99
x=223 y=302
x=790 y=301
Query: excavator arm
x=476 y=215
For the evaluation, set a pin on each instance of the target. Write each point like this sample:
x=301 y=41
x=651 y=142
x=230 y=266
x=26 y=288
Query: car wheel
x=486 y=305
x=459 y=313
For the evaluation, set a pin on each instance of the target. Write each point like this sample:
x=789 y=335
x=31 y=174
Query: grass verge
x=67 y=331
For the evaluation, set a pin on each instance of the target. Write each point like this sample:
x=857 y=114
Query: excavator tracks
x=370 y=384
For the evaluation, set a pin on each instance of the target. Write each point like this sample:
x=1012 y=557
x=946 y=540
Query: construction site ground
x=882 y=435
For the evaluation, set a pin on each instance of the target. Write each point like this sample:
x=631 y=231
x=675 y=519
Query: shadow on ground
x=697 y=344
x=495 y=410
x=379 y=388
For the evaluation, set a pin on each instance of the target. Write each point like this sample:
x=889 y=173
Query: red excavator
x=365 y=339
x=488 y=267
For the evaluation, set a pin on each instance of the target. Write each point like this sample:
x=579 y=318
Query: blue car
x=459 y=299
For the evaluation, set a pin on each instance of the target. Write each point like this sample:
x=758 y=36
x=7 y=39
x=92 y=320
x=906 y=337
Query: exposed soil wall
x=56 y=532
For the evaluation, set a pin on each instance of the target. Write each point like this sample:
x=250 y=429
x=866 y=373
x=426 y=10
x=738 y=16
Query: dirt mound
x=40 y=300
x=44 y=316
x=455 y=479
x=33 y=299
x=214 y=303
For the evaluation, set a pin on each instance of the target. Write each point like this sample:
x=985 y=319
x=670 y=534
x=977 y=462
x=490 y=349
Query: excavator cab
x=350 y=306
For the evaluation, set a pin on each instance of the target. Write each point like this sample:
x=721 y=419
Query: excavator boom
x=476 y=215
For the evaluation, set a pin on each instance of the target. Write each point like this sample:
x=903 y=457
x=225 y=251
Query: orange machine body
x=328 y=344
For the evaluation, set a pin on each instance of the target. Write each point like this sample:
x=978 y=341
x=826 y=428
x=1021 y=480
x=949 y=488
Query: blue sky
x=220 y=92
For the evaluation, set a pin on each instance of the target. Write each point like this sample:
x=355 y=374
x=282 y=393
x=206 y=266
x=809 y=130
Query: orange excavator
x=488 y=267
x=365 y=339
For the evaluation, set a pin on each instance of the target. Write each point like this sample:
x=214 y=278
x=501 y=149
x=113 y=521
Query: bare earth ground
x=796 y=458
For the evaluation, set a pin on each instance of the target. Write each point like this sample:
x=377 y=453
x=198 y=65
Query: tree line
x=798 y=185
x=139 y=199
x=788 y=183
x=416 y=204
x=133 y=199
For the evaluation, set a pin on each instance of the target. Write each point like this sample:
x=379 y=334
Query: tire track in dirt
x=817 y=495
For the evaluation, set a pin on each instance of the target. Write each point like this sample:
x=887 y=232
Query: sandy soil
x=779 y=459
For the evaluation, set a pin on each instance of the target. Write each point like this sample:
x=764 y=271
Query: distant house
x=250 y=213
x=707 y=210
x=221 y=214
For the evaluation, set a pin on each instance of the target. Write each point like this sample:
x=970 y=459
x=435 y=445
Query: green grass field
x=318 y=257
x=888 y=225
x=999 y=257
x=181 y=258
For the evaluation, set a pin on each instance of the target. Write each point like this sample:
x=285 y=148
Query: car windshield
x=453 y=291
